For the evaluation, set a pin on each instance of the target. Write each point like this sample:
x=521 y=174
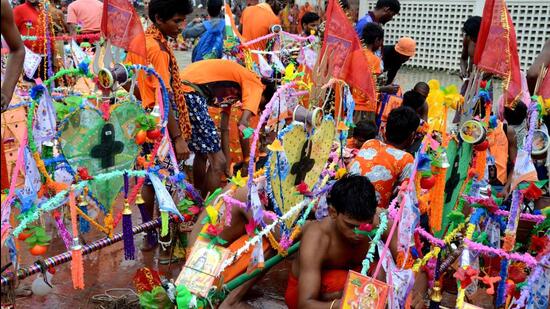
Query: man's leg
x=148 y=195
x=215 y=171
x=199 y=172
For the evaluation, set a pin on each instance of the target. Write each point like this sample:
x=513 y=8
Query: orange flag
x=496 y=48
x=120 y=24
x=346 y=59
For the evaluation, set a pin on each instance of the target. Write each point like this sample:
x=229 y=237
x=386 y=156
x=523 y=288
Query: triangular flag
x=120 y=24
x=346 y=59
x=496 y=48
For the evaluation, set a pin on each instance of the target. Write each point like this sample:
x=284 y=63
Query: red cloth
x=333 y=280
x=121 y=25
x=496 y=48
x=4 y=170
x=27 y=20
x=348 y=61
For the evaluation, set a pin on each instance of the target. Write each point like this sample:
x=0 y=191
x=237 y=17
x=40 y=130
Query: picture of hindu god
x=540 y=142
x=471 y=132
x=338 y=51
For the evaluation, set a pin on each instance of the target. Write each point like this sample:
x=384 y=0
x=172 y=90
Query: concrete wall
x=436 y=27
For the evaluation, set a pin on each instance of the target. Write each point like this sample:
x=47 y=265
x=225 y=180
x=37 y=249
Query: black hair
x=365 y=129
x=471 y=27
x=402 y=123
x=344 y=4
x=421 y=86
x=309 y=17
x=353 y=196
x=393 y=5
x=413 y=100
x=372 y=32
x=166 y=9
x=214 y=7
x=269 y=91
x=517 y=115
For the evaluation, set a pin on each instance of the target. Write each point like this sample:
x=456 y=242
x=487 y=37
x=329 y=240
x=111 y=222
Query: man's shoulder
x=315 y=232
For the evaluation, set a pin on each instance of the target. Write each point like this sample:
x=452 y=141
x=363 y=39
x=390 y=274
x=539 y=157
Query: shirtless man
x=470 y=31
x=331 y=247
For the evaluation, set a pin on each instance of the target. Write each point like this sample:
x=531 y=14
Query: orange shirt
x=148 y=84
x=362 y=104
x=256 y=22
x=385 y=166
x=222 y=70
x=28 y=20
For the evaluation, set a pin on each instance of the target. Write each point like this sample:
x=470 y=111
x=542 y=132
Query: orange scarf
x=176 y=84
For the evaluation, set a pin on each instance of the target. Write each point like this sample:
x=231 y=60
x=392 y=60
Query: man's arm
x=194 y=30
x=224 y=128
x=464 y=60
x=543 y=59
x=17 y=53
x=71 y=20
x=312 y=251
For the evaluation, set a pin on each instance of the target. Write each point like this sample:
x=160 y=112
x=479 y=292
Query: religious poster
x=202 y=267
x=362 y=292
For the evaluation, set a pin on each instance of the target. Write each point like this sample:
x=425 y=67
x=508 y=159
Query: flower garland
x=374 y=242
x=92 y=36
x=264 y=232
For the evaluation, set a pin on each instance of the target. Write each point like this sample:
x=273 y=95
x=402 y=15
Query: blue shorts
x=204 y=134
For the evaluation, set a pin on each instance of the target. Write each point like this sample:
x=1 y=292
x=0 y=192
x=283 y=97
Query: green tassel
x=164 y=223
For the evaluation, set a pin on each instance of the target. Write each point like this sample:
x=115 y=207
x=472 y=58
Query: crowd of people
x=215 y=101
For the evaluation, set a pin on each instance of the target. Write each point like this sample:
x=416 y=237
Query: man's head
x=169 y=15
x=33 y=2
x=352 y=201
x=364 y=130
x=401 y=127
x=517 y=115
x=405 y=48
x=276 y=5
x=417 y=102
x=373 y=36
x=310 y=22
x=385 y=10
x=422 y=88
x=214 y=7
x=470 y=30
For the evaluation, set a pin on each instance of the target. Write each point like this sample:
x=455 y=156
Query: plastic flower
x=303 y=189
x=238 y=180
x=212 y=230
x=466 y=276
x=340 y=173
x=538 y=243
x=276 y=146
x=342 y=126
x=532 y=192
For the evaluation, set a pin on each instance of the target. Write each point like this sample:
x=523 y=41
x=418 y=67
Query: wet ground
x=106 y=269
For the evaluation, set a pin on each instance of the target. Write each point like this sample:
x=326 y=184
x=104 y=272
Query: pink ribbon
x=6 y=206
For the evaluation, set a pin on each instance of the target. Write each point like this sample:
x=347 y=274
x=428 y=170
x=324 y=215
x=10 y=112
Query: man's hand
x=5 y=102
x=181 y=148
x=463 y=73
x=391 y=89
x=419 y=291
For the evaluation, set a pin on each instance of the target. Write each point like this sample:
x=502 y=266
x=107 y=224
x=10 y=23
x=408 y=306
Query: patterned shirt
x=385 y=166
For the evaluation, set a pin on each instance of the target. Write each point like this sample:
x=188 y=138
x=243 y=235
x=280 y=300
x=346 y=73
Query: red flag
x=544 y=87
x=496 y=48
x=346 y=61
x=120 y=24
